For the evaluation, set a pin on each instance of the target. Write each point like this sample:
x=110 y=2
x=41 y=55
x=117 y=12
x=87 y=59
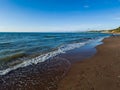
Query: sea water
x=23 y=49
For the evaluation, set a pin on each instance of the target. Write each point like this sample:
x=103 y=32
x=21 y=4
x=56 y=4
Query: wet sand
x=43 y=76
x=100 y=72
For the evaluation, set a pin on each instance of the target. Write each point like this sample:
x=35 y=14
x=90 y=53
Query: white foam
x=44 y=57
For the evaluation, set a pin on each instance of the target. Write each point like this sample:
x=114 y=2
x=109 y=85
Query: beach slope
x=100 y=72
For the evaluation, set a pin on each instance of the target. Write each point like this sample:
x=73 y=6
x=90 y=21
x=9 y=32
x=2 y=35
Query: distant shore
x=101 y=72
x=112 y=31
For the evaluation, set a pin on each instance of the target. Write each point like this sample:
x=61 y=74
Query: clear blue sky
x=58 y=15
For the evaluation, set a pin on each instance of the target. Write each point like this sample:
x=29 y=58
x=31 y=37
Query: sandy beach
x=46 y=75
x=60 y=45
x=101 y=72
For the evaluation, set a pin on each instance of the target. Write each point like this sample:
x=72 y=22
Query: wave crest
x=43 y=57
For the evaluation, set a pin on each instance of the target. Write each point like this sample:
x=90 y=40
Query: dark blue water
x=22 y=49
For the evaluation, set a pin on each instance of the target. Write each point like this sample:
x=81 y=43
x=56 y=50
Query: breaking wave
x=43 y=57
x=46 y=56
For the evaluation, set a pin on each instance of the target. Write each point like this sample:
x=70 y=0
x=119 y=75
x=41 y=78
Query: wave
x=46 y=56
x=50 y=36
x=12 y=57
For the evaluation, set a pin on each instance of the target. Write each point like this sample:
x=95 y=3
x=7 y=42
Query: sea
x=23 y=49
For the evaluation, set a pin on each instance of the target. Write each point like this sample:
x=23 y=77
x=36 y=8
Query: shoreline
x=15 y=62
x=46 y=75
x=100 y=72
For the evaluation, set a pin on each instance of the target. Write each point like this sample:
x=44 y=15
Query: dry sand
x=101 y=72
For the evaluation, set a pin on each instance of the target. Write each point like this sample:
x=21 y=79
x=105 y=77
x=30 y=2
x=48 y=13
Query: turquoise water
x=23 y=49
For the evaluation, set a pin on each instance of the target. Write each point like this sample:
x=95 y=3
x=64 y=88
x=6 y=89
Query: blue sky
x=58 y=15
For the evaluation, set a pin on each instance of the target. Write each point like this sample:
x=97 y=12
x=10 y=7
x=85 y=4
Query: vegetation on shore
x=117 y=30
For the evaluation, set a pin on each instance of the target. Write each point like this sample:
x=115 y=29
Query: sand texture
x=101 y=72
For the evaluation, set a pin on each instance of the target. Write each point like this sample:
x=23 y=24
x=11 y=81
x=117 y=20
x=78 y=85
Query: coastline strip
x=100 y=72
